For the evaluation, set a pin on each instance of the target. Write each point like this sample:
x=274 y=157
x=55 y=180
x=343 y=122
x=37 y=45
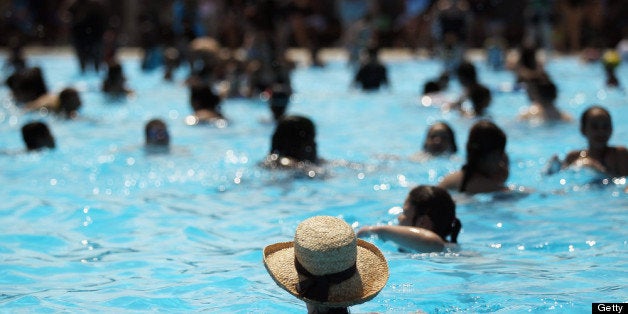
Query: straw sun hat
x=327 y=265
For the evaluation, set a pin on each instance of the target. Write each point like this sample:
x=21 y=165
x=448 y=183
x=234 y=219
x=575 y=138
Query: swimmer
x=327 y=266
x=596 y=125
x=372 y=75
x=486 y=169
x=439 y=142
x=27 y=85
x=427 y=220
x=610 y=61
x=206 y=106
x=115 y=82
x=480 y=97
x=37 y=136
x=293 y=144
x=157 y=137
x=433 y=93
x=542 y=94
x=65 y=104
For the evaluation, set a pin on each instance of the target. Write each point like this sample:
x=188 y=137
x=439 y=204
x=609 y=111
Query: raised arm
x=412 y=238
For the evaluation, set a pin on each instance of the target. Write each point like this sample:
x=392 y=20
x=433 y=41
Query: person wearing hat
x=327 y=266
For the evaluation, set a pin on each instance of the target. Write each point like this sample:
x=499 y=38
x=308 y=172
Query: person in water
x=27 y=85
x=486 y=168
x=157 y=136
x=37 y=136
x=114 y=83
x=427 y=221
x=542 y=94
x=293 y=143
x=205 y=103
x=597 y=127
x=65 y=104
x=372 y=74
x=439 y=141
x=327 y=266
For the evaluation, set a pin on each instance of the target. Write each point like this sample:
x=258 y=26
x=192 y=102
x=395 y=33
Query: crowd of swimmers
x=428 y=222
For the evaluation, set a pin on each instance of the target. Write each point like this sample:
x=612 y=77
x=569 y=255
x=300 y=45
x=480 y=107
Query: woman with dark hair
x=114 y=83
x=596 y=125
x=428 y=219
x=293 y=143
x=206 y=105
x=439 y=142
x=486 y=169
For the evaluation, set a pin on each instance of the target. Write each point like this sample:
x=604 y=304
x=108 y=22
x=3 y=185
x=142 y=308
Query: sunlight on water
x=100 y=225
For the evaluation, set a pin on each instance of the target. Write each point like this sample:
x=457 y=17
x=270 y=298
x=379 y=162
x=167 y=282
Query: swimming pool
x=99 y=226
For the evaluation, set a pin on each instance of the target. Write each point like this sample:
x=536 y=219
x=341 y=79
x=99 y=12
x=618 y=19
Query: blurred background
x=565 y=26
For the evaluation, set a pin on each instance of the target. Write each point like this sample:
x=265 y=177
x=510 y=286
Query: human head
x=327 y=265
x=69 y=102
x=295 y=137
x=440 y=139
x=203 y=98
x=114 y=72
x=480 y=98
x=37 y=135
x=486 y=152
x=430 y=87
x=467 y=74
x=596 y=125
x=27 y=84
x=156 y=133
x=432 y=208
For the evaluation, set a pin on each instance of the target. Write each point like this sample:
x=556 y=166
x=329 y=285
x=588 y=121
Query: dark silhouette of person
x=293 y=143
x=37 y=136
x=27 y=84
x=88 y=25
x=372 y=74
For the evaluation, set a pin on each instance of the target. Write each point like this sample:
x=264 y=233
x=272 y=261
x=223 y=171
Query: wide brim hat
x=324 y=245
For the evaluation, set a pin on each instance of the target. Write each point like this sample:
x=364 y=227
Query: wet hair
x=430 y=87
x=484 y=137
x=37 y=135
x=467 y=74
x=480 y=98
x=27 y=84
x=156 y=133
x=585 y=115
x=450 y=133
x=295 y=137
x=437 y=204
x=203 y=97
x=542 y=89
x=69 y=101
x=115 y=78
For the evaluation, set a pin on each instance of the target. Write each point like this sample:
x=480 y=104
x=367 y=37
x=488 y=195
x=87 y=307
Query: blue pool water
x=99 y=226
